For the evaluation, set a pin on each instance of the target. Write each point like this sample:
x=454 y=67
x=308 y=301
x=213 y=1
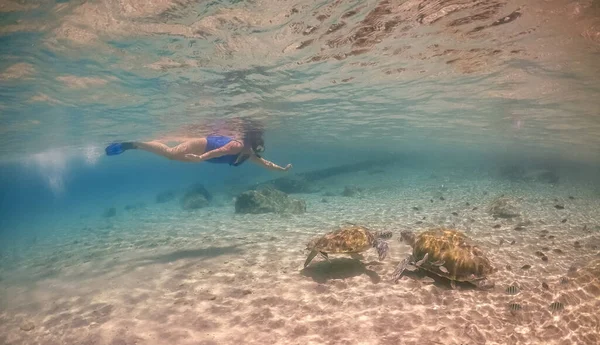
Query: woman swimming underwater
x=212 y=148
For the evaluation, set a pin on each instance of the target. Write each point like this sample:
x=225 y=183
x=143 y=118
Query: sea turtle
x=446 y=253
x=349 y=239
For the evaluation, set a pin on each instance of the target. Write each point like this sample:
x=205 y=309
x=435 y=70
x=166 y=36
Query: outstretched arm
x=269 y=165
x=229 y=149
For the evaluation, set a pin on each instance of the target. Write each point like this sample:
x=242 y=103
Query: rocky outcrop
x=268 y=200
x=305 y=182
x=165 y=197
x=196 y=197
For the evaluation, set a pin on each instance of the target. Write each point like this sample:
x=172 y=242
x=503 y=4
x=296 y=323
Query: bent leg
x=196 y=146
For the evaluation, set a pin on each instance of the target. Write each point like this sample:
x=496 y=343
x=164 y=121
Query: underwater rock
x=110 y=212
x=165 y=197
x=196 y=197
x=503 y=208
x=268 y=200
x=351 y=191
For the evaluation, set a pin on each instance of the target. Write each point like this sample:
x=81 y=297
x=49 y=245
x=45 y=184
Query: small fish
x=519 y=228
x=512 y=290
x=474 y=208
x=577 y=244
x=564 y=220
x=559 y=207
x=442 y=198
x=514 y=307
x=556 y=306
x=454 y=213
x=551 y=237
x=497 y=226
x=571 y=197
x=545 y=249
x=419 y=222
x=538 y=253
x=542 y=236
x=423 y=217
x=526 y=267
x=485 y=192
x=563 y=280
x=431 y=200
x=427 y=280
x=544 y=258
x=545 y=285
x=420 y=262
x=557 y=251
x=415 y=208
x=512 y=242
x=468 y=204
x=443 y=269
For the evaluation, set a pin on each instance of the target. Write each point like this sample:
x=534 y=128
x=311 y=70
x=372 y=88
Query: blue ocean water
x=445 y=106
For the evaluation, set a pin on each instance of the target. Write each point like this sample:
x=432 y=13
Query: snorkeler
x=213 y=149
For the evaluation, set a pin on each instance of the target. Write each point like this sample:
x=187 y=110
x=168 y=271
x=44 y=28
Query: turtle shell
x=349 y=239
x=453 y=250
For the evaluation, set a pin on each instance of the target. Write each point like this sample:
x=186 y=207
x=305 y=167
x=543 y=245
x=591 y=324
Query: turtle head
x=382 y=248
x=408 y=237
x=311 y=244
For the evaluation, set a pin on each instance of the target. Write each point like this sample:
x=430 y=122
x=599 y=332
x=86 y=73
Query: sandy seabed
x=159 y=275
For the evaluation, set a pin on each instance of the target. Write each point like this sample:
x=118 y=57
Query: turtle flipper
x=310 y=257
x=423 y=260
x=397 y=274
x=382 y=248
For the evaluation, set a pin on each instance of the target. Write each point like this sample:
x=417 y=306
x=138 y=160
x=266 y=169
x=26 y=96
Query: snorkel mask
x=259 y=148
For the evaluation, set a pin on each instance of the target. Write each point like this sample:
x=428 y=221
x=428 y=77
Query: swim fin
x=118 y=148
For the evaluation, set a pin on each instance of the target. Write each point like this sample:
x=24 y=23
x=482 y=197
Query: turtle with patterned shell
x=447 y=253
x=349 y=239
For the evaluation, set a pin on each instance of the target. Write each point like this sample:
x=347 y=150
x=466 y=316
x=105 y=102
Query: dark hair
x=254 y=138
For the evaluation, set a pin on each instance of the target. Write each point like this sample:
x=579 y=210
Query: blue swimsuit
x=216 y=141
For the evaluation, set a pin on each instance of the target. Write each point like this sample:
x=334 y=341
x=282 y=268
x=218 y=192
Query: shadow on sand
x=342 y=268
x=201 y=253
x=425 y=277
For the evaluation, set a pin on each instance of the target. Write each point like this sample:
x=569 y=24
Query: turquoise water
x=431 y=111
